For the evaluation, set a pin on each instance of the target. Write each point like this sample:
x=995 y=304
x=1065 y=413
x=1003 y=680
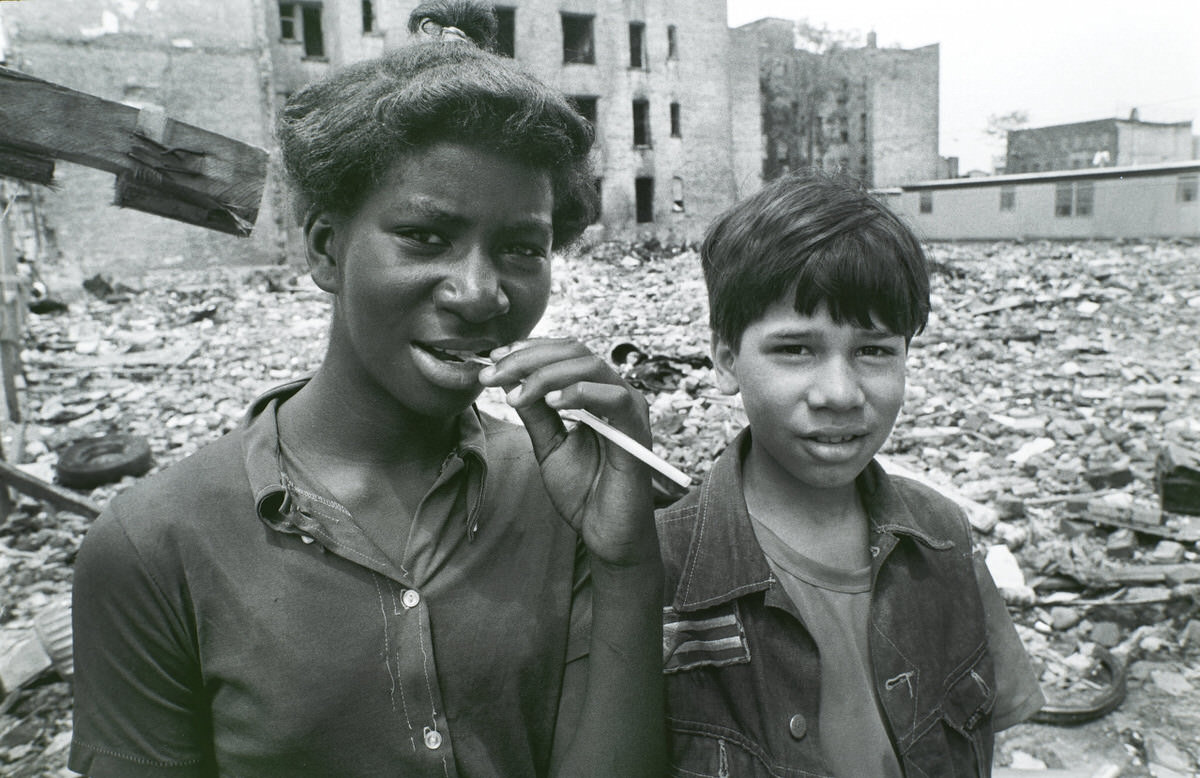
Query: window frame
x=1187 y=188
x=676 y=120
x=506 y=30
x=1008 y=197
x=638 y=59
x=571 y=34
x=643 y=199
x=642 y=137
x=925 y=201
x=672 y=42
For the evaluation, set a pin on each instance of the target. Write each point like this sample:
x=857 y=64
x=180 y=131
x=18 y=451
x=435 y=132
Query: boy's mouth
x=833 y=439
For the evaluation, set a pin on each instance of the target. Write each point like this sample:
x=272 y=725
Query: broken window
x=677 y=195
x=506 y=31
x=1008 y=198
x=586 y=106
x=302 y=22
x=637 y=45
x=579 y=47
x=675 y=130
x=1063 y=195
x=926 y=202
x=643 y=189
x=368 y=16
x=1187 y=189
x=672 y=42
x=641 y=122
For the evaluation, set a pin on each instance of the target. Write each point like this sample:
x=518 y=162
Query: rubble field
x=1042 y=395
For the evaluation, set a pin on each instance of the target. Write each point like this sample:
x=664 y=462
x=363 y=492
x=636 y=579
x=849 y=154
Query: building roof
x=1050 y=176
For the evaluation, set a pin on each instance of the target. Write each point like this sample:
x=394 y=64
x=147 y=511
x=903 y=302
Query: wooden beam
x=60 y=498
x=162 y=166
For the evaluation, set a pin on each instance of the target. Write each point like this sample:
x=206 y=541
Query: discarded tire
x=96 y=461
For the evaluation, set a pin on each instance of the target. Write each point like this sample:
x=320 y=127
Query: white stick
x=605 y=429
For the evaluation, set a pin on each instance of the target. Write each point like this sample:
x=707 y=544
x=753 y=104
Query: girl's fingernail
x=513 y=396
x=553 y=398
x=487 y=373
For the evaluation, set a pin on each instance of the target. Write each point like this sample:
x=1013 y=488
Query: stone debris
x=1056 y=386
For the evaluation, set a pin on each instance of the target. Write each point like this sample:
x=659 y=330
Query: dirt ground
x=1050 y=377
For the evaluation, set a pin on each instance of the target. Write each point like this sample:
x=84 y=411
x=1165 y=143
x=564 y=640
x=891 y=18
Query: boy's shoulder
x=903 y=500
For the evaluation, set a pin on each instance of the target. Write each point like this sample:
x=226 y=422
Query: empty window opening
x=926 y=202
x=1008 y=198
x=643 y=189
x=506 y=31
x=586 y=106
x=637 y=44
x=287 y=22
x=672 y=42
x=675 y=130
x=579 y=47
x=598 y=183
x=641 y=123
x=677 y=195
x=1187 y=189
x=368 y=16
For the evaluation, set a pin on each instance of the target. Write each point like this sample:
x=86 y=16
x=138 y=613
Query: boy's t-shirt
x=835 y=607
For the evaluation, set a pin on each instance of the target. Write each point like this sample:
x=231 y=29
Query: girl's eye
x=424 y=237
x=877 y=351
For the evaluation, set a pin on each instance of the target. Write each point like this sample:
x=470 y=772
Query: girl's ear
x=321 y=250
x=724 y=360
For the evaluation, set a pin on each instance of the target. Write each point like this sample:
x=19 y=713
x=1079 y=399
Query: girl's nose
x=472 y=288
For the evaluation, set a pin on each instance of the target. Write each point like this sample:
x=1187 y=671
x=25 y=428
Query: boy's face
x=821 y=397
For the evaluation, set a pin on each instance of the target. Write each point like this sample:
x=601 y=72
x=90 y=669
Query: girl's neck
x=353 y=421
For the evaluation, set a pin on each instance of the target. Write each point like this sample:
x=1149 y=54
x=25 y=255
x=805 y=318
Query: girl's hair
x=340 y=136
x=822 y=240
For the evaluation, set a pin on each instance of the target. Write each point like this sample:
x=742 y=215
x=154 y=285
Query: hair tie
x=435 y=30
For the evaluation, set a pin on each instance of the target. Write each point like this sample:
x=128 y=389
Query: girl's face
x=449 y=254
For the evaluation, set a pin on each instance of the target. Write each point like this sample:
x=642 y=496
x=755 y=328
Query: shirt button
x=433 y=739
x=410 y=598
x=797 y=726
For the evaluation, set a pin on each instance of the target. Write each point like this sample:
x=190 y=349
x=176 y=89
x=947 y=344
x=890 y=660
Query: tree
x=999 y=124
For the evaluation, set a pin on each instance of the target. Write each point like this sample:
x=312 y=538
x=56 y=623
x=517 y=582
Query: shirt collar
x=725 y=561
x=263 y=461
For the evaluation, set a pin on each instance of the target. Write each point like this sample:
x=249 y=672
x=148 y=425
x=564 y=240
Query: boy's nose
x=836 y=386
x=472 y=288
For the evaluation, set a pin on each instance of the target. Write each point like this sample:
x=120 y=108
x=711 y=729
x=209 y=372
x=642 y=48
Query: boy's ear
x=724 y=358
x=321 y=250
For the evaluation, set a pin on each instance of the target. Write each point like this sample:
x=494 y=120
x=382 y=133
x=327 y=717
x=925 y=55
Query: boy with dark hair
x=824 y=618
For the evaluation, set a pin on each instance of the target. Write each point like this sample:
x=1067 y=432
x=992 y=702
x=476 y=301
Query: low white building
x=1143 y=201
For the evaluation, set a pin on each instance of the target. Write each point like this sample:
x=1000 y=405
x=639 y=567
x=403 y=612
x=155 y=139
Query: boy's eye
x=795 y=348
x=524 y=252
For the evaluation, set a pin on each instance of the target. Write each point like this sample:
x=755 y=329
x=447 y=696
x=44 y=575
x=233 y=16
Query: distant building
x=869 y=111
x=674 y=104
x=1099 y=143
x=1140 y=201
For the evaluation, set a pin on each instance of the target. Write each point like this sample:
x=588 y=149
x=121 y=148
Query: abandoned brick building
x=687 y=111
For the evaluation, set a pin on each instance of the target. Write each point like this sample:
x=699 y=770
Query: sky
x=1059 y=60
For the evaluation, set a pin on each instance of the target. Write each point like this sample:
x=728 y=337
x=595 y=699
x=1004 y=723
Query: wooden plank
x=186 y=172
x=60 y=498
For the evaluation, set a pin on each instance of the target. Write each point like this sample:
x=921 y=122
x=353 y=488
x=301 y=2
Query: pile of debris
x=1055 y=394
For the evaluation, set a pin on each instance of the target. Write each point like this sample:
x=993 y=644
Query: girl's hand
x=602 y=491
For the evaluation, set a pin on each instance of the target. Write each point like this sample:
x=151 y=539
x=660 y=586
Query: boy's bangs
x=862 y=282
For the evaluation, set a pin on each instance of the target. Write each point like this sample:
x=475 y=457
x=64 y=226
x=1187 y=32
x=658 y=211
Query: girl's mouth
x=456 y=355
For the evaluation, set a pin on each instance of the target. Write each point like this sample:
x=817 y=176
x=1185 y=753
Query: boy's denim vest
x=743 y=674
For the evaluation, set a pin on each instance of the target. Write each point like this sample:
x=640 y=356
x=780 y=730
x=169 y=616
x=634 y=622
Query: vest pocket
x=706 y=751
x=959 y=741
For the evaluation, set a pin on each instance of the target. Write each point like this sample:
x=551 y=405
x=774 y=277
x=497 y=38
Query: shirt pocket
x=959 y=741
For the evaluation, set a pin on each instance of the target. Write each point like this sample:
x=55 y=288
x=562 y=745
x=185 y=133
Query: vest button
x=410 y=598
x=433 y=739
x=797 y=726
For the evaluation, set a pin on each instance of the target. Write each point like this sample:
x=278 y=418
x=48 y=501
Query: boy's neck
x=827 y=525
